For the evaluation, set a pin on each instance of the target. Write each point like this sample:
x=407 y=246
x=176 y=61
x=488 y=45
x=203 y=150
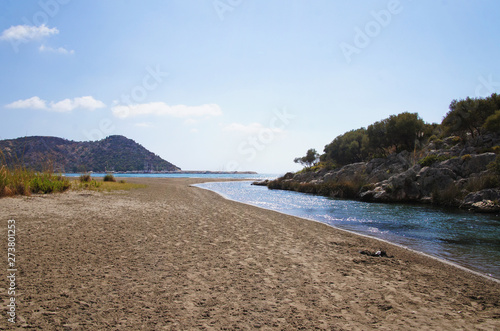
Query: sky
x=228 y=85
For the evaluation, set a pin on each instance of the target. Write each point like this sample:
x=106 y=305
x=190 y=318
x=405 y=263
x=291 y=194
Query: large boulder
x=431 y=178
x=347 y=173
x=399 y=187
x=380 y=169
x=486 y=194
x=476 y=163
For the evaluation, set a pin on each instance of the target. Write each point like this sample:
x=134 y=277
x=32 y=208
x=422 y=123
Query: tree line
x=466 y=118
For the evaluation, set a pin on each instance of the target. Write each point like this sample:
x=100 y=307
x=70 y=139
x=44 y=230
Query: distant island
x=112 y=154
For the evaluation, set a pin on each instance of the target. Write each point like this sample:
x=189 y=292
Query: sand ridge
x=176 y=257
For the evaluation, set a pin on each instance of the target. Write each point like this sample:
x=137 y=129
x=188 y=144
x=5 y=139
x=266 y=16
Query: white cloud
x=60 y=50
x=66 y=105
x=27 y=33
x=144 y=125
x=162 y=109
x=31 y=103
x=251 y=128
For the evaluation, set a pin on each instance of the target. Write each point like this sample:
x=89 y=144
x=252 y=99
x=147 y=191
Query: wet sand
x=175 y=257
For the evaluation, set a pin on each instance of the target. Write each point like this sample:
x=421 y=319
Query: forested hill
x=114 y=153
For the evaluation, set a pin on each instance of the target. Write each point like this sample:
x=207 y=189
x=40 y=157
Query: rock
x=486 y=201
x=431 y=178
x=350 y=171
x=487 y=194
x=486 y=206
x=476 y=163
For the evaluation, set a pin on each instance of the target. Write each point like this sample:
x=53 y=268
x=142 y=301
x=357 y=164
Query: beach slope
x=171 y=256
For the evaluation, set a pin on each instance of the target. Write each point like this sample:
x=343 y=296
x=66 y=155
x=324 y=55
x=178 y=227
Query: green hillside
x=114 y=153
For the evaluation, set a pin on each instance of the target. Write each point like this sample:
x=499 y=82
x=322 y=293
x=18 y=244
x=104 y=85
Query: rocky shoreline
x=450 y=173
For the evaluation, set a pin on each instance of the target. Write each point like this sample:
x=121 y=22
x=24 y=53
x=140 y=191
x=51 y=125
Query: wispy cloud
x=144 y=125
x=63 y=106
x=251 y=128
x=162 y=109
x=31 y=103
x=27 y=33
x=60 y=50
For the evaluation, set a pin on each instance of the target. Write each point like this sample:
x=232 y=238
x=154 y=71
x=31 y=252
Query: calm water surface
x=471 y=240
x=174 y=175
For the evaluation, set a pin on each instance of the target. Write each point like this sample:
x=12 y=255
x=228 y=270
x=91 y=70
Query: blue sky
x=237 y=84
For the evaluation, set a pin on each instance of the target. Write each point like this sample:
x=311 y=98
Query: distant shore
x=178 y=257
x=187 y=172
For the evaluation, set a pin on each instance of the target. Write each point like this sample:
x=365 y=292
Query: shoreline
x=443 y=260
x=177 y=257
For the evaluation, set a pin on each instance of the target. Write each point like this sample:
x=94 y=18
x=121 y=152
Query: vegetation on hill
x=402 y=158
x=115 y=153
x=467 y=118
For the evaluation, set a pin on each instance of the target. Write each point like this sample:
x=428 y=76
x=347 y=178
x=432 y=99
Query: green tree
x=400 y=131
x=468 y=116
x=310 y=159
x=377 y=137
x=460 y=119
x=348 y=148
x=404 y=129
x=492 y=123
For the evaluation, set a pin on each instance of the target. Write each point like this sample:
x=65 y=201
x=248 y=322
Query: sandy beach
x=175 y=257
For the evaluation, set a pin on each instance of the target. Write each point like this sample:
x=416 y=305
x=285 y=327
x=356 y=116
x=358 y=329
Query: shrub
x=466 y=157
x=431 y=159
x=475 y=184
x=85 y=178
x=438 y=142
x=109 y=178
x=495 y=165
x=47 y=183
x=449 y=196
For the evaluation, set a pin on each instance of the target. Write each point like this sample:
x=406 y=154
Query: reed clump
x=21 y=181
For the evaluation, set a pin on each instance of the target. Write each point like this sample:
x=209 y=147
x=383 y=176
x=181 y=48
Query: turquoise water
x=174 y=175
x=468 y=239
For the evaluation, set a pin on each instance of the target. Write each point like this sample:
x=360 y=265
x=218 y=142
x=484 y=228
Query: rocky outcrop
x=458 y=180
x=483 y=201
x=443 y=182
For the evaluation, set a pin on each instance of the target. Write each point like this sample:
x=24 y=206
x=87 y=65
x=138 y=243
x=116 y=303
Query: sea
x=467 y=239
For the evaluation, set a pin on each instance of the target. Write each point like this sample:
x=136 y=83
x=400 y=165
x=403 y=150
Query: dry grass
x=105 y=186
x=20 y=181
